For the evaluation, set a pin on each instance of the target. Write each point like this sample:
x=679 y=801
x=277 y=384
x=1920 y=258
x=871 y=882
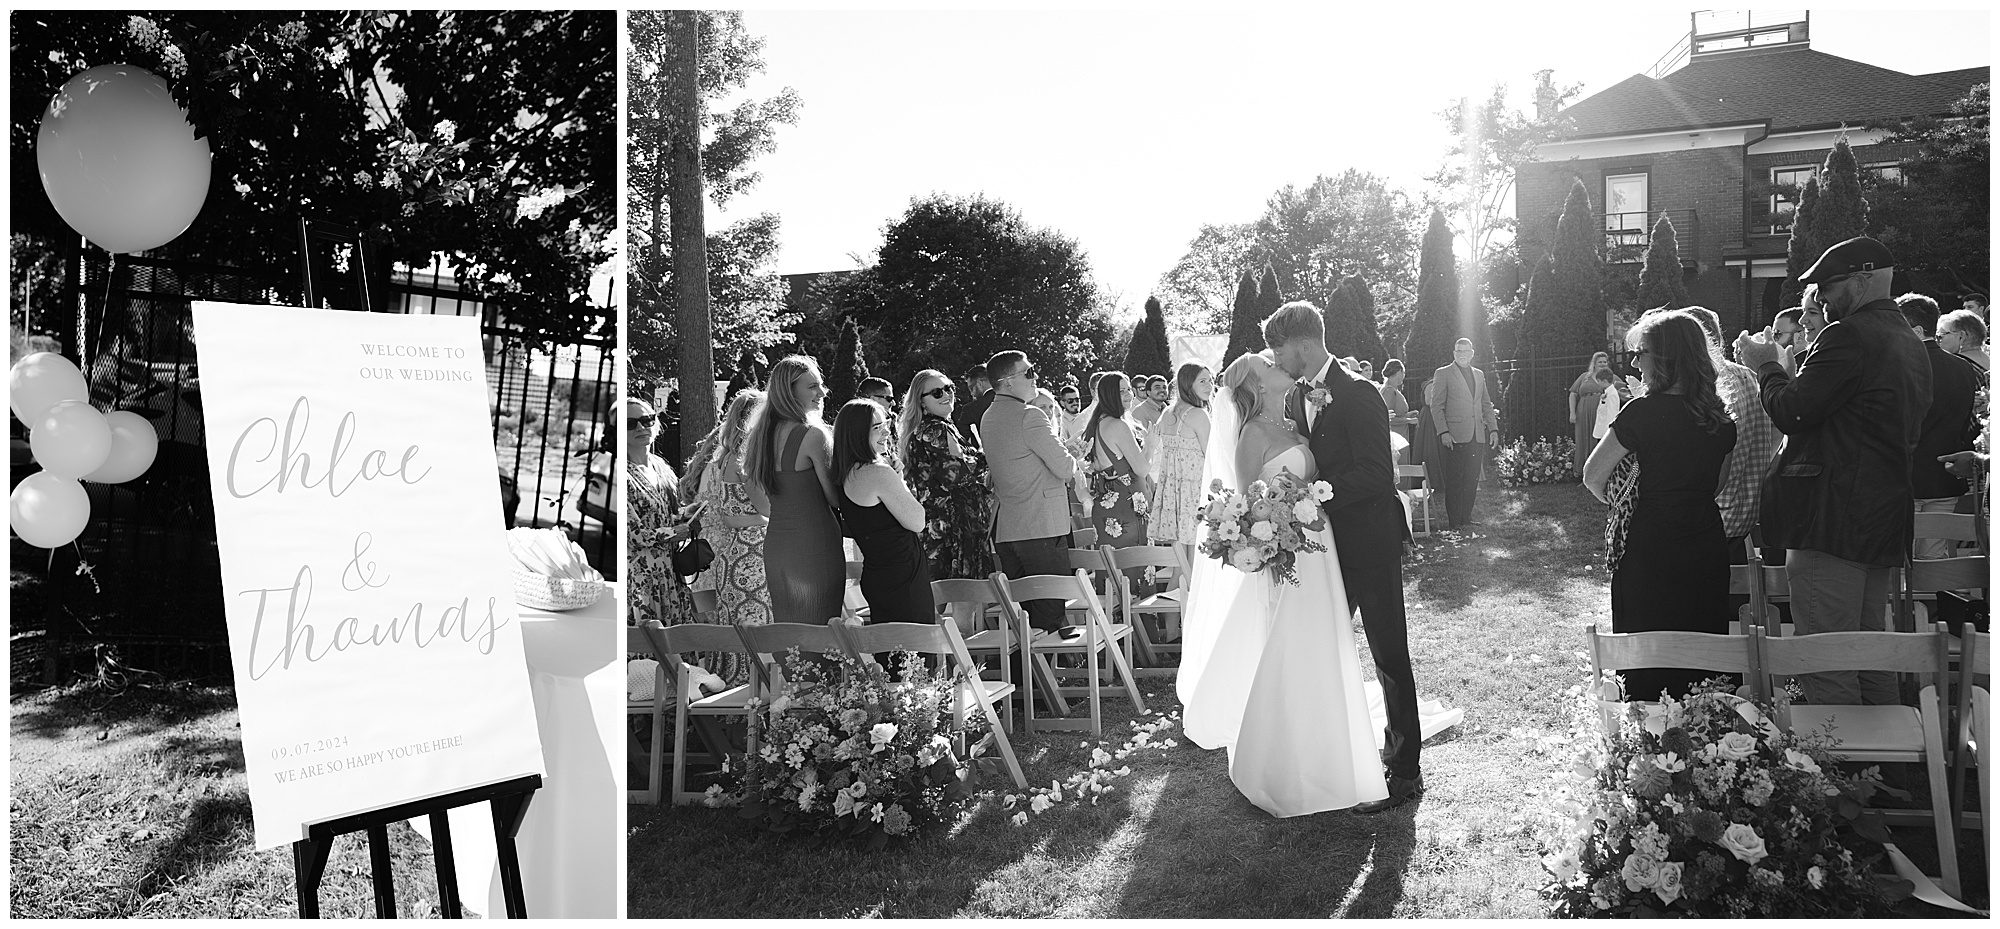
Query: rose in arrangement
x=1266 y=527
x=1705 y=808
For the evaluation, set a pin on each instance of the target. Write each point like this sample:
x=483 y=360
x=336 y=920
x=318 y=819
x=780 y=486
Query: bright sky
x=1127 y=130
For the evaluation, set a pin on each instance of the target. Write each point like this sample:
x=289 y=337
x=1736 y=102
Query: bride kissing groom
x=1270 y=671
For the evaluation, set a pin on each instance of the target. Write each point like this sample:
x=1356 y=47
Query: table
x=568 y=843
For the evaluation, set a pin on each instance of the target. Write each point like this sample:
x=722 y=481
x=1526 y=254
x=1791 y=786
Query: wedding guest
x=1673 y=572
x=979 y=391
x=1740 y=494
x=1975 y=302
x=1119 y=491
x=1838 y=498
x=788 y=466
x=1071 y=421
x=1152 y=390
x=655 y=528
x=881 y=516
x=1030 y=468
x=1790 y=334
x=1812 y=318
x=1180 y=442
x=1585 y=396
x=1948 y=426
x=733 y=527
x=1365 y=368
x=1963 y=333
x=1401 y=418
x=1609 y=401
x=948 y=479
x=1466 y=421
x=882 y=394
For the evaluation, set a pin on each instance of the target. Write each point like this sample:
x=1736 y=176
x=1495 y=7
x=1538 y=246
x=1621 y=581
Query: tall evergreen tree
x=1435 y=325
x=1149 y=352
x=1350 y=323
x=1269 y=297
x=1803 y=248
x=1660 y=281
x=1246 y=333
x=1561 y=325
x=1842 y=212
x=849 y=369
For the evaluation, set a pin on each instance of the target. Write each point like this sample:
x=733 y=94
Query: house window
x=1625 y=209
x=1784 y=181
x=1886 y=172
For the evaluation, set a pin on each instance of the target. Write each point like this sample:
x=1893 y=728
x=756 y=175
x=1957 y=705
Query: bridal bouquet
x=1266 y=528
x=845 y=748
x=1704 y=808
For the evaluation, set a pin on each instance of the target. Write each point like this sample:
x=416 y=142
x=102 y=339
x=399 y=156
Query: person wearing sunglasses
x=1031 y=471
x=948 y=478
x=1838 y=499
x=657 y=524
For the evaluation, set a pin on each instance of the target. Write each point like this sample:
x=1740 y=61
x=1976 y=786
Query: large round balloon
x=70 y=439
x=40 y=381
x=48 y=511
x=119 y=160
x=133 y=445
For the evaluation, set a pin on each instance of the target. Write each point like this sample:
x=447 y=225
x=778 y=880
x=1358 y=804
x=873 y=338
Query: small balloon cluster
x=73 y=442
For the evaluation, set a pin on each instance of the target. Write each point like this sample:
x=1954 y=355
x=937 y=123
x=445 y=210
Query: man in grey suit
x=1466 y=421
x=1031 y=474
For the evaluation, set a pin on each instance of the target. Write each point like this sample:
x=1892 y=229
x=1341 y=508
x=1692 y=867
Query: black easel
x=510 y=805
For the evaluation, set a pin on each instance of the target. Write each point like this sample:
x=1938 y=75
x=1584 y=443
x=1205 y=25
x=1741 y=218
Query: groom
x=1346 y=426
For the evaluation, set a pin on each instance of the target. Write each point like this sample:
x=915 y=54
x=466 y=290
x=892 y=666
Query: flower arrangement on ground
x=1521 y=463
x=1705 y=808
x=848 y=748
x=1266 y=528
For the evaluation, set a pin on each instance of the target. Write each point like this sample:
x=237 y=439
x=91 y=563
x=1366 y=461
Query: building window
x=1625 y=209
x=1785 y=182
x=1886 y=172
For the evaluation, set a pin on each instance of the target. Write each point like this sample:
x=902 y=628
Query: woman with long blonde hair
x=949 y=480
x=788 y=470
x=1179 y=442
x=733 y=526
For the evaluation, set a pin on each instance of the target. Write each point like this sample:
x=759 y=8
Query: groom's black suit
x=1350 y=441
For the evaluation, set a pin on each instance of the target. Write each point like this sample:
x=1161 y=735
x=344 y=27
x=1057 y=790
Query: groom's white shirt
x=1320 y=378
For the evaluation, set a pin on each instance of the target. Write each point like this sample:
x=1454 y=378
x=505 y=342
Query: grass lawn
x=1497 y=615
x=134 y=803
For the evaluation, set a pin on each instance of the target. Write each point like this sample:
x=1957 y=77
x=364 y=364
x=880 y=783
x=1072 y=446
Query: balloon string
x=103 y=320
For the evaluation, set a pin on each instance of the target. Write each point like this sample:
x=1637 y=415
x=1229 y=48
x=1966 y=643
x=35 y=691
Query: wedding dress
x=1272 y=673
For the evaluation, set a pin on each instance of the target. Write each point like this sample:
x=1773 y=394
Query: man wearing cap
x=1838 y=498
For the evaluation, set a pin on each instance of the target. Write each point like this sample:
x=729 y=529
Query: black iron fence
x=151 y=584
x=1544 y=377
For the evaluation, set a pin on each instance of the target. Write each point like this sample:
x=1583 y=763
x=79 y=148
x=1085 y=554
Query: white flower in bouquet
x=1816 y=877
x=1670 y=763
x=1736 y=746
x=1247 y=560
x=781 y=704
x=1743 y=841
x=1640 y=872
x=882 y=735
x=1020 y=819
x=1669 y=884
x=1801 y=761
x=1259 y=488
x=1563 y=865
x=842 y=804
x=1322 y=491
x=1236 y=506
x=1305 y=511
x=1262 y=530
x=1228 y=532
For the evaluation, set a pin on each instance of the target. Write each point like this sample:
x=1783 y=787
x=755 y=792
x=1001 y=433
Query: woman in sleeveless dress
x=733 y=527
x=1118 y=491
x=1180 y=439
x=655 y=526
x=1273 y=677
x=949 y=479
x=882 y=517
x=789 y=469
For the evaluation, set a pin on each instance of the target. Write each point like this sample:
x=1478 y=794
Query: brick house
x=1716 y=144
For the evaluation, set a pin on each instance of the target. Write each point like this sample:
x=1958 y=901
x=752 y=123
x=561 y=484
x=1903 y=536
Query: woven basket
x=554 y=593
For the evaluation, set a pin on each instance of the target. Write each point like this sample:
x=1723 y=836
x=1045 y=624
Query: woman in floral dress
x=653 y=527
x=733 y=527
x=948 y=478
x=1119 y=491
x=1180 y=439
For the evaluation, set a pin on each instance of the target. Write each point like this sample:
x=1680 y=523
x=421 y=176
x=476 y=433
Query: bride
x=1269 y=670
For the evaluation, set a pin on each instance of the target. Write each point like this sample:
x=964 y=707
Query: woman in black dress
x=1673 y=573
x=882 y=517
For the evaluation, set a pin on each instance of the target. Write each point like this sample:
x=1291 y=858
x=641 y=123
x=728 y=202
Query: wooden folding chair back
x=645 y=640
x=769 y=643
x=1878 y=733
x=1954 y=527
x=1169 y=567
x=1705 y=651
x=1419 y=496
x=682 y=643
x=941 y=639
x=968 y=604
x=1973 y=697
x=1101 y=638
x=1966 y=572
x=1083 y=538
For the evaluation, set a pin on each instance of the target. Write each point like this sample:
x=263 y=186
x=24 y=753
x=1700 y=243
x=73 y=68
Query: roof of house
x=1791 y=88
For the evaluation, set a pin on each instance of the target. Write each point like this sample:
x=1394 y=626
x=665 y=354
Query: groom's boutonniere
x=1319 y=397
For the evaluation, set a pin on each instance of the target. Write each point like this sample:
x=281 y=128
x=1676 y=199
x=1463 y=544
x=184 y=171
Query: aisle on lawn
x=1496 y=620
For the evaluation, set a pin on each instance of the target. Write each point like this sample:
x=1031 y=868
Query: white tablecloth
x=568 y=843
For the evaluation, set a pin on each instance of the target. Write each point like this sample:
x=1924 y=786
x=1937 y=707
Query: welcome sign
x=375 y=644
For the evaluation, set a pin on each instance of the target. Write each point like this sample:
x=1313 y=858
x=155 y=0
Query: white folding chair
x=853 y=604
x=770 y=642
x=968 y=604
x=694 y=713
x=640 y=641
x=1167 y=565
x=1865 y=734
x=1084 y=538
x=941 y=639
x=1973 y=698
x=1100 y=640
x=1626 y=651
x=1105 y=586
x=1419 y=496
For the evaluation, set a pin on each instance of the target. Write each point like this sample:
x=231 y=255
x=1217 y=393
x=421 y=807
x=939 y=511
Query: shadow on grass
x=212 y=834
x=129 y=712
x=1532 y=543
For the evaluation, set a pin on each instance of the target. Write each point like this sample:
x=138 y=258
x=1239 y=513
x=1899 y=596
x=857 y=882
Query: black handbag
x=693 y=557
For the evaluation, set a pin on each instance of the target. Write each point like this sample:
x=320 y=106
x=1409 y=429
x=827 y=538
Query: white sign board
x=372 y=631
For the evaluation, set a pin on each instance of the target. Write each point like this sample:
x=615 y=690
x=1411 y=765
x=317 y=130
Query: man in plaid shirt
x=1756 y=443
